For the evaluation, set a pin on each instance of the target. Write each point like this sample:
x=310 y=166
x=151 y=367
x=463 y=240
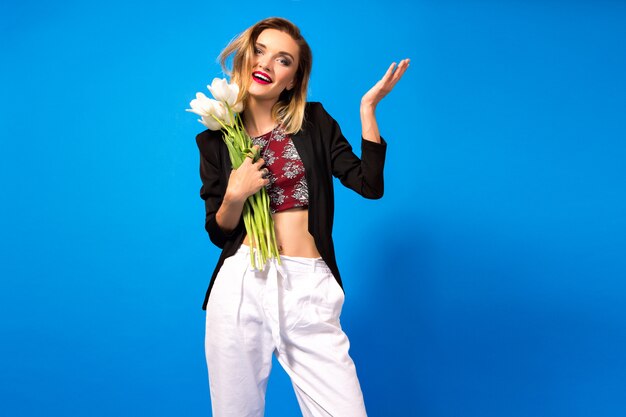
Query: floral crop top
x=287 y=187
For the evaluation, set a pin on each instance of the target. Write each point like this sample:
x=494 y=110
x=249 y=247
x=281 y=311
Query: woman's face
x=274 y=65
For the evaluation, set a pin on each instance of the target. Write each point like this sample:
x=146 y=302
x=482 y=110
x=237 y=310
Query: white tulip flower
x=238 y=107
x=222 y=113
x=226 y=93
x=201 y=105
x=209 y=109
x=210 y=122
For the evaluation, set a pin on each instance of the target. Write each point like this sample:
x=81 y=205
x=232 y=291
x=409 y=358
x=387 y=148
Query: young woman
x=289 y=310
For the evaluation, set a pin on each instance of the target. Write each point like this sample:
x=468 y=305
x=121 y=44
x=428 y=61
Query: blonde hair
x=289 y=109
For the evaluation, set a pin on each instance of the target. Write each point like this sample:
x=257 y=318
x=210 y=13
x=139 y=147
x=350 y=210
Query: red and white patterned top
x=287 y=187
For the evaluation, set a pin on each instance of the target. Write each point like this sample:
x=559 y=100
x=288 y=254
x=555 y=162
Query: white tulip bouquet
x=223 y=112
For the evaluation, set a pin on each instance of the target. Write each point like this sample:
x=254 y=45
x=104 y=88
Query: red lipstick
x=261 y=77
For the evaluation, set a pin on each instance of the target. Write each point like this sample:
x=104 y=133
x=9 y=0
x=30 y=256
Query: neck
x=258 y=116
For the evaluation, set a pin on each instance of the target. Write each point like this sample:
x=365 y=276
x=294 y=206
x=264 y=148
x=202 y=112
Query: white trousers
x=292 y=311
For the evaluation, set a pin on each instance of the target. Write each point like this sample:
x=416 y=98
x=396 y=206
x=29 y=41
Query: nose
x=263 y=65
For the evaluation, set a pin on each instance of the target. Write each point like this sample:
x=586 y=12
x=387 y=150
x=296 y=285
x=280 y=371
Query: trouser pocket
x=325 y=301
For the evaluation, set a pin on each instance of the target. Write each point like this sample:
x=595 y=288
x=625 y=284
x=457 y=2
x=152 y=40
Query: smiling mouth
x=261 y=78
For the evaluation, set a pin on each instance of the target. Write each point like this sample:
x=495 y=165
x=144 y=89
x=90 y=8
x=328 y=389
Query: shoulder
x=316 y=114
x=209 y=142
x=314 y=108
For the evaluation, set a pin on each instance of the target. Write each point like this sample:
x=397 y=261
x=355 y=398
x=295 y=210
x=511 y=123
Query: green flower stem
x=259 y=226
x=257 y=236
x=246 y=221
x=256 y=212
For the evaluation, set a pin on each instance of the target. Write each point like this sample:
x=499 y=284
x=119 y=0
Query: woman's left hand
x=384 y=85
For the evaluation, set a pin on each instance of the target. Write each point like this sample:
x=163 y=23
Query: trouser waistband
x=290 y=263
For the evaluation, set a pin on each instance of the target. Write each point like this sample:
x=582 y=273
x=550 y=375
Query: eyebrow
x=280 y=53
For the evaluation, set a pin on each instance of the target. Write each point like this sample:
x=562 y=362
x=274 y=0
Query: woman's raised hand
x=246 y=180
x=385 y=84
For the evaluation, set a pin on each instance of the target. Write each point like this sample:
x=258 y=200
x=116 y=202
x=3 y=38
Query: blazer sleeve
x=365 y=175
x=213 y=189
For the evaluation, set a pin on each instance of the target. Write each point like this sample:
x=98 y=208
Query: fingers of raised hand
x=392 y=76
x=404 y=64
x=389 y=72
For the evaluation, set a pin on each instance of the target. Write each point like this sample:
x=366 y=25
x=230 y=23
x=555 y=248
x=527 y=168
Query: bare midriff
x=292 y=233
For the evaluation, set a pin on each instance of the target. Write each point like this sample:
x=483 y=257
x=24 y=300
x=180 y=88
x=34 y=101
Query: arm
x=371 y=99
x=365 y=176
x=212 y=197
x=224 y=201
x=242 y=183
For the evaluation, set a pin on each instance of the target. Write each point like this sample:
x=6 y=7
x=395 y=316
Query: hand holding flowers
x=246 y=180
x=223 y=113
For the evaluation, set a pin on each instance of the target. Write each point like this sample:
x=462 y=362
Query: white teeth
x=264 y=78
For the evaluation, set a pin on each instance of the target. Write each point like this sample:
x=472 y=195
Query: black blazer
x=325 y=153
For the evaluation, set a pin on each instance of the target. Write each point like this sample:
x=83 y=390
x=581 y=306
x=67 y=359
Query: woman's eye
x=285 y=62
x=257 y=51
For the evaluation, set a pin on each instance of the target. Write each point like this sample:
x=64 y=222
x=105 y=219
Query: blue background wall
x=489 y=281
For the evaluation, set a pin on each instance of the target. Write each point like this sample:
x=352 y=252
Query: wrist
x=368 y=108
x=233 y=198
